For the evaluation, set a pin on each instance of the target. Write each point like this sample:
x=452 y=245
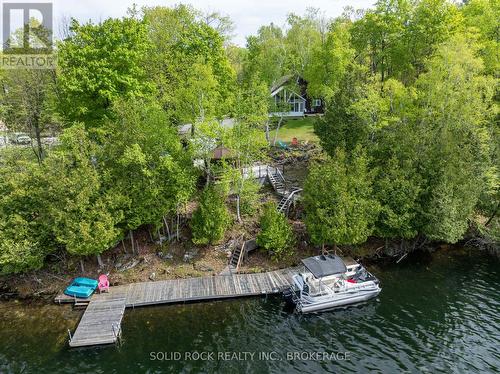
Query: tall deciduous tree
x=303 y=34
x=28 y=103
x=189 y=66
x=398 y=36
x=482 y=16
x=267 y=55
x=100 y=63
x=330 y=59
x=247 y=144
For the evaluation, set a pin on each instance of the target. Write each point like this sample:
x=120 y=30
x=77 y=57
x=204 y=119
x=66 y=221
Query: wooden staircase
x=280 y=186
x=287 y=201
x=236 y=258
x=277 y=180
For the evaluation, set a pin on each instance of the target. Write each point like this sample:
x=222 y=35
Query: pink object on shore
x=103 y=283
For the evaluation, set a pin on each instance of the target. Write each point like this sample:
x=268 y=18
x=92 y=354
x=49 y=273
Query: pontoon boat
x=327 y=282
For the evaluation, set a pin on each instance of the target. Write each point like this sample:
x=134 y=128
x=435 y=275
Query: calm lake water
x=438 y=313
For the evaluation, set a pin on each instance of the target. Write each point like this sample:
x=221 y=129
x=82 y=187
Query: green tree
x=19 y=255
x=83 y=217
x=397 y=37
x=379 y=38
x=482 y=16
x=188 y=64
x=276 y=234
x=144 y=163
x=341 y=126
x=433 y=22
x=208 y=136
x=28 y=103
x=338 y=200
x=397 y=190
x=249 y=197
x=329 y=62
x=100 y=63
x=211 y=219
x=25 y=228
x=267 y=55
x=248 y=145
x=302 y=35
x=454 y=101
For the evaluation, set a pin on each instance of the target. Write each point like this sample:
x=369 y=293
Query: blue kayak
x=81 y=288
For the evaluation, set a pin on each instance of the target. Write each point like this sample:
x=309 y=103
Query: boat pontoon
x=327 y=282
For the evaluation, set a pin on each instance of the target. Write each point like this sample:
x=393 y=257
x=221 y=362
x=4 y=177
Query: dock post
x=115 y=333
x=70 y=337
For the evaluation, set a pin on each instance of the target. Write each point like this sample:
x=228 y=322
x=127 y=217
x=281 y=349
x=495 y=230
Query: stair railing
x=240 y=259
x=278 y=172
x=286 y=205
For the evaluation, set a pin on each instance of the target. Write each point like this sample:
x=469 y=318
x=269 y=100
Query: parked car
x=19 y=138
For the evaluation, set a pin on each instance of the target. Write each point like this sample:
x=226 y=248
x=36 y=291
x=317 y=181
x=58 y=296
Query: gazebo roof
x=220 y=153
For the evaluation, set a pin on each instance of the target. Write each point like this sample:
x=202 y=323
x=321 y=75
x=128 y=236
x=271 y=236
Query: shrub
x=249 y=197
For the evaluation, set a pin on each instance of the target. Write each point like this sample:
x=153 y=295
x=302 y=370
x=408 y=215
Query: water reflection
x=436 y=314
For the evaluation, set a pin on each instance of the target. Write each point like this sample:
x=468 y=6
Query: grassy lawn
x=302 y=129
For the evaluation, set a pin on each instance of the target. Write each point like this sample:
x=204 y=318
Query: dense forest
x=410 y=134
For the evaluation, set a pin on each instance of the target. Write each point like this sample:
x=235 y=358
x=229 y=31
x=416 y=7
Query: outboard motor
x=290 y=296
x=305 y=288
x=361 y=274
x=293 y=293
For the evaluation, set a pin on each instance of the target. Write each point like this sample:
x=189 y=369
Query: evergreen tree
x=83 y=216
x=340 y=208
x=211 y=219
x=454 y=104
x=276 y=234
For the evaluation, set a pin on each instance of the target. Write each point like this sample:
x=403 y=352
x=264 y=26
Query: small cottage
x=290 y=98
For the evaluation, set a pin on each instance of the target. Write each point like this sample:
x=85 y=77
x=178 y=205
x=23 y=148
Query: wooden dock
x=207 y=288
x=101 y=321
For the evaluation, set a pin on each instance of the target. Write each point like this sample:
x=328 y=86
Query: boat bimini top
x=324 y=266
